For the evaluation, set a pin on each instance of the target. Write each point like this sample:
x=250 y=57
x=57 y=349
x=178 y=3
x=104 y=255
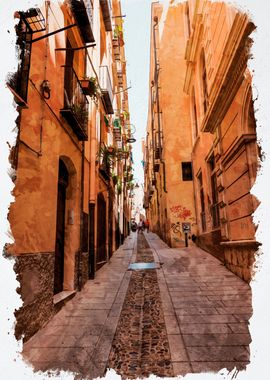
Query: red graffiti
x=180 y=212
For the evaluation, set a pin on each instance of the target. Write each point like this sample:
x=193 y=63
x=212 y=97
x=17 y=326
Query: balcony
x=106 y=89
x=145 y=201
x=156 y=166
x=120 y=78
x=117 y=130
x=106 y=8
x=116 y=48
x=75 y=109
x=106 y=162
x=157 y=154
x=83 y=12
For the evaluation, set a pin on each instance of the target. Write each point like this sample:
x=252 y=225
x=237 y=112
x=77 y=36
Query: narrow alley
x=175 y=311
x=131 y=222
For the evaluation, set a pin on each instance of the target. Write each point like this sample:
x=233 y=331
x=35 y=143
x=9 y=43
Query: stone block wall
x=210 y=242
x=35 y=273
x=240 y=260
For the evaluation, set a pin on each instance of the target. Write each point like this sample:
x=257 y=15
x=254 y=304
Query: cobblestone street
x=187 y=313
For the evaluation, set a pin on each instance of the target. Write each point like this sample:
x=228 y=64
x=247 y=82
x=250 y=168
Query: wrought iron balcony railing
x=106 y=8
x=75 y=109
x=116 y=48
x=83 y=12
x=106 y=89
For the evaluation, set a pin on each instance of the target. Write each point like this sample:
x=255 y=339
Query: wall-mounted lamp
x=46 y=89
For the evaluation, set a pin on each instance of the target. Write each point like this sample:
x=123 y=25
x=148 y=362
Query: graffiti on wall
x=176 y=228
x=180 y=212
x=179 y=215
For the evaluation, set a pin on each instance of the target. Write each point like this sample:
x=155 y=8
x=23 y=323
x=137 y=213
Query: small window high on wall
x=187 y=171
x=204 y=82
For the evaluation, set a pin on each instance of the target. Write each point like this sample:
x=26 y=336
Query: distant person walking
x=140 y=226
x=146 y=224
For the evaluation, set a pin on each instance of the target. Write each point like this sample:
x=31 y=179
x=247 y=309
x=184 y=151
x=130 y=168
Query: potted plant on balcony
x=114 y=178
x=80 y=111
x=106 y=159
x=130 y=185
x=90 y=86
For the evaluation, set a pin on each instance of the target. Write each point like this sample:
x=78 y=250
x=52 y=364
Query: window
x=214 y=206
x=19 y=81
x=188 y=19
x=204 y=82
x=200 y=186
x=194 y=114
x=187 y=171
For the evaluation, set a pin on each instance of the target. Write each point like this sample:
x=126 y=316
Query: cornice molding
x=230 y=73
x=243 y=139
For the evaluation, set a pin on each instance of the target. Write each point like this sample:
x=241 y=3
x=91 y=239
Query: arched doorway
x=63 y=177
x=101 y=231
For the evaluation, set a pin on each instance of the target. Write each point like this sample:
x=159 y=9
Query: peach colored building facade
x=220 y=123
x=72 y=204
x=169 y=200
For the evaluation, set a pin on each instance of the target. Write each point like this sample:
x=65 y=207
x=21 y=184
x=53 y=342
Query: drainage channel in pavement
x=140 y=346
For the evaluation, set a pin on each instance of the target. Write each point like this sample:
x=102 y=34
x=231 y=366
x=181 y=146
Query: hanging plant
x=119 y=188
x=106 y=120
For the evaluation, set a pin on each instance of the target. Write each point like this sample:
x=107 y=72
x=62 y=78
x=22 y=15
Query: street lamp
x=131 y=139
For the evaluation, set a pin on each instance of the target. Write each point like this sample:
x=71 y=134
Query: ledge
x=239 y=243
x=62 y=297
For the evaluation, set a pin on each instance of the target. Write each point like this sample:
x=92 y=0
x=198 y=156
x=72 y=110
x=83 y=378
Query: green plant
x=119 y=188
x=115 y=178
x=90 y=87
x=93 y=85
x=106 y=156
x=80 y=111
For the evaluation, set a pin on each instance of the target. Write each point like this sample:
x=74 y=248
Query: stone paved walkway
x=205 y=308
x=140 y=346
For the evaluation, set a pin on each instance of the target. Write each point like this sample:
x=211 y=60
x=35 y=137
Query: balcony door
x=68 y=83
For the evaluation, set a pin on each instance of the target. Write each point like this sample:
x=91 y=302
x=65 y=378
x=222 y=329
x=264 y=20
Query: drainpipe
x=158 y=108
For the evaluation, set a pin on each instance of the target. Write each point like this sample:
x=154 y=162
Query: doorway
x=110 y=224
x=60 y=228
x=101 y=231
